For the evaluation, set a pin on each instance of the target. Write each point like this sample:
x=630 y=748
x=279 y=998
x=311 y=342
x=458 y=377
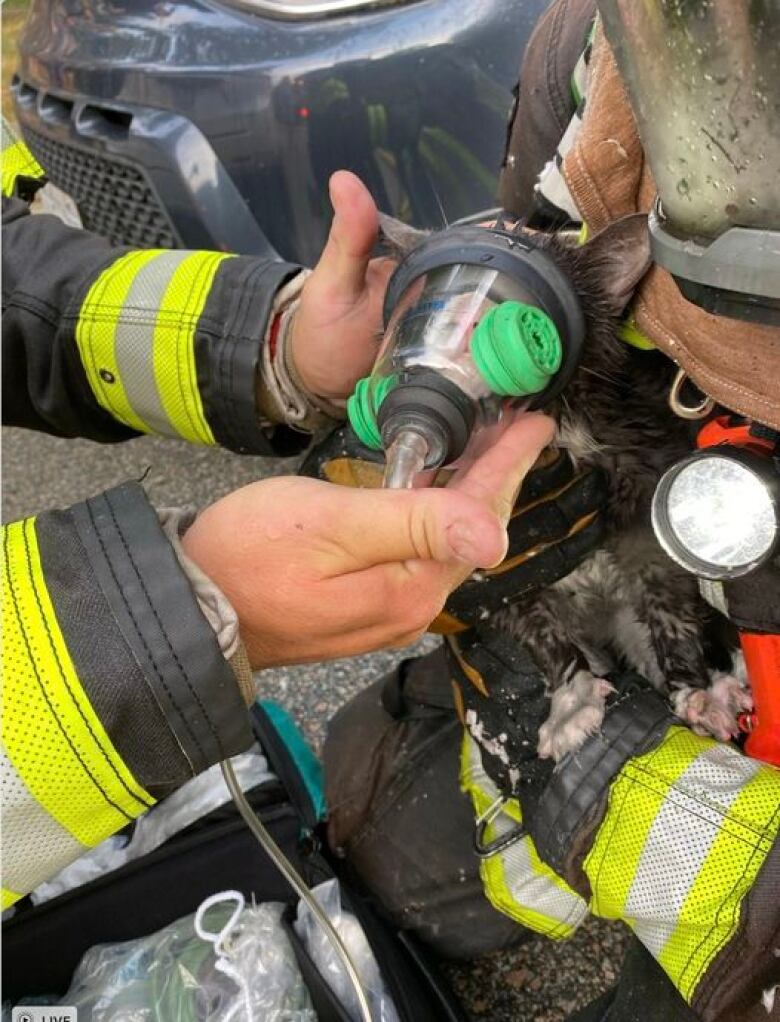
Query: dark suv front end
x=205 y=124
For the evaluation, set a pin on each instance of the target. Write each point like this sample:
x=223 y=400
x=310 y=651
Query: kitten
x=628 y=604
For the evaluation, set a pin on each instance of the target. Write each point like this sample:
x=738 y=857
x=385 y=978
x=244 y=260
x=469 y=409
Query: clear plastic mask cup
x=432 y=327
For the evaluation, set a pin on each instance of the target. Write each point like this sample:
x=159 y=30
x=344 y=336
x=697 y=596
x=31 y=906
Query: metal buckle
x=499 y=844
x=691 y=412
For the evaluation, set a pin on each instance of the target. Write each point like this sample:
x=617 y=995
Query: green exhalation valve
x=516 y=349
x=363 y=406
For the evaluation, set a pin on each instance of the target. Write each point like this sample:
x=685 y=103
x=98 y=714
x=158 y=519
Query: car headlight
x=716 y=513
x=307 y=8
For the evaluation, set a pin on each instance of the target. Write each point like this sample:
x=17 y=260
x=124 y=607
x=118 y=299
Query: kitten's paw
x=714 y=710
x=576 y=711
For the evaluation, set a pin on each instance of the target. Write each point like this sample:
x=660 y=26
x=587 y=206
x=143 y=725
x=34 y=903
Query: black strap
x=762 y=432
x=753 y=601
x=556 y=524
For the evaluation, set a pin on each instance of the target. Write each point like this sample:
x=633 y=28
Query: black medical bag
x=42 y=944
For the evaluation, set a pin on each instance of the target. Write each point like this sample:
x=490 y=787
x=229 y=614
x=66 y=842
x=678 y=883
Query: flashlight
x=716 y=512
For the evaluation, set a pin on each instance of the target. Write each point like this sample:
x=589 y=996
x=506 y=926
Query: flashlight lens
x=722 y=513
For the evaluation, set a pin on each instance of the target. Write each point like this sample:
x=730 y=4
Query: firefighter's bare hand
x=339 y=321
x=317 y=571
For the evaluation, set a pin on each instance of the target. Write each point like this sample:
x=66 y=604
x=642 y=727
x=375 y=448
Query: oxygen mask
x=477 y=320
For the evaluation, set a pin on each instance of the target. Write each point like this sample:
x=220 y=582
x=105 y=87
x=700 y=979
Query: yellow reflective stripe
x=51 y=733
x=630 y=334
x=7 y=898
x=612 y=861
x=96 y=335
x=536 y=882
x=174 y=348
x=478 y=784
x=18 y=161
x=711 y=912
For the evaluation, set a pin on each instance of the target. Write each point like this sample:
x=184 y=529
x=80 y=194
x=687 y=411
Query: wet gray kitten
x=628 y=604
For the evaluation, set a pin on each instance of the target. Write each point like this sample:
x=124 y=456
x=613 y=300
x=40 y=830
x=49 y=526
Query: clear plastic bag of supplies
x=329 y=964
x=226 y=962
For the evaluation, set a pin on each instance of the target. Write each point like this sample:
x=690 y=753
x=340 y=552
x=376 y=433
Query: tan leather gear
x=736 y=363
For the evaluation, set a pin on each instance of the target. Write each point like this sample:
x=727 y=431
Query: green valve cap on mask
x=516 y=349
x=363 y=406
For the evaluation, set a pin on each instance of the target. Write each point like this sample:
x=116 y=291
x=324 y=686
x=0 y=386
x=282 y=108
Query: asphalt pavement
x=538 y=982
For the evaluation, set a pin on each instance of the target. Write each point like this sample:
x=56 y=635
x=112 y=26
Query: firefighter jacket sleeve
x=115 y=687
x=107 y=343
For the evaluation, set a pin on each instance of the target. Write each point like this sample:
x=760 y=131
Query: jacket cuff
x=22 y=175
x=744 y=972
x=213 y=603
x=157 y=678
x=282 y=396
x=228 y=344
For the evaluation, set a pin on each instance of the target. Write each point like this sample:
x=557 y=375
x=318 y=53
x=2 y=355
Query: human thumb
x=352 y=237
x=386 y=526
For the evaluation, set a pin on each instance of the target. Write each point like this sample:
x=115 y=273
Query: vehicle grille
x=114 y=198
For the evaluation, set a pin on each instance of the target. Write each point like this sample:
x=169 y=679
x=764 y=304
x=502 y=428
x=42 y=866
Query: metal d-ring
x=683 y=411
x=499 y=844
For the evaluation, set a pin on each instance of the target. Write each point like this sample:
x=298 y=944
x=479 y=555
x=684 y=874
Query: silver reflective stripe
x=35 y=846
x=551 y=182
x=134 y=340
x=715 y=594
x=534 y=889
x=553 y=187
x=529 y=887
x=695 y=807
x=8 y=135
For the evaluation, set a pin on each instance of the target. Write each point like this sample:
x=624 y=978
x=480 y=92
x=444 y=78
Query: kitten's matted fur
x=628 y=604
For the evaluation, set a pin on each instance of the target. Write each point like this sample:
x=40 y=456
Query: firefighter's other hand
x=316 y=571
x=339 y=320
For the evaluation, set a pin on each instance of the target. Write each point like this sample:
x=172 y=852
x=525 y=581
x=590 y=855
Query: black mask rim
x=517 y=257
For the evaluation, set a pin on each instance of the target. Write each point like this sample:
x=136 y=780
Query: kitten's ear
x=619 y=256
x=398 y=238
